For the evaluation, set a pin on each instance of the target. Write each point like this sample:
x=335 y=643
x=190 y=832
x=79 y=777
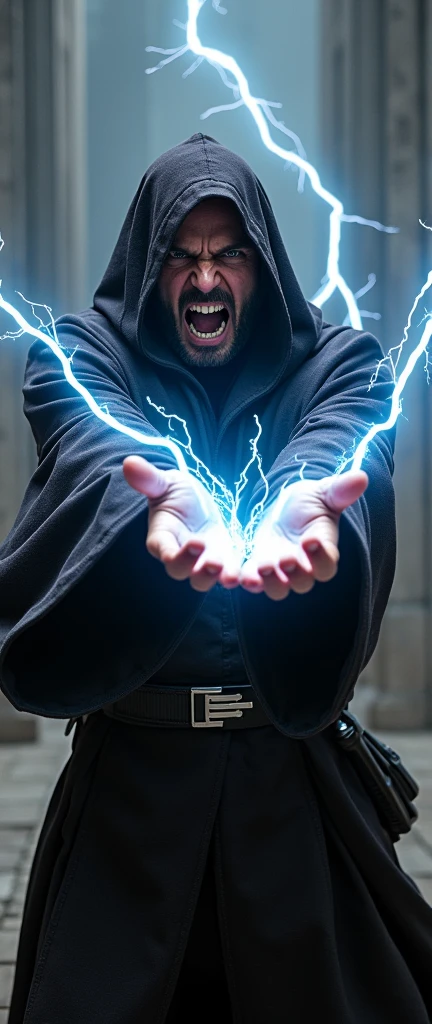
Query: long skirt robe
x=317 y=920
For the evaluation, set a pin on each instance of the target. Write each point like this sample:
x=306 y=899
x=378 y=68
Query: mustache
x=194 y=296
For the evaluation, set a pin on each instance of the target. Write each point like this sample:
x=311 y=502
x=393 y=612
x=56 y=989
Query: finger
x=285 y=557
x=276 y=585
x=250 y=579
x=205 y=578
x=162 y=544
x=229 y=577
x=345 y=489
x=324 y=559
x=144 y=477
x=181 y=565
x=206 y=572
x=253 y=586
x=301 y=582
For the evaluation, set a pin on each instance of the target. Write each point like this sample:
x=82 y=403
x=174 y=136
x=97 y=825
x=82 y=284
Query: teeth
x=206 y=309
x=215 y=334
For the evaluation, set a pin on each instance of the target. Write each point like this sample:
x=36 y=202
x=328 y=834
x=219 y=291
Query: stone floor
x=27 y=772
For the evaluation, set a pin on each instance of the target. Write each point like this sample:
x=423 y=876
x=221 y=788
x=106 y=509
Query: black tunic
x=75 y=577
x=317 y=920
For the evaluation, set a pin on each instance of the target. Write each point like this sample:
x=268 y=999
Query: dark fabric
x=210 y=651
x=202 y=991
x=317 y=920
x=217 y=380
x=75 y=577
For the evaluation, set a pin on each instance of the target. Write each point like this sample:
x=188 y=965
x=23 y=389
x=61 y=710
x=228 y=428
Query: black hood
x=190 y=172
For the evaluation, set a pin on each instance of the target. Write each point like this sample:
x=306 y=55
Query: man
x=210 y=854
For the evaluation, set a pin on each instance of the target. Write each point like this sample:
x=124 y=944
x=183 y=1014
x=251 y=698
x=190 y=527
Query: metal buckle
x=217 y=706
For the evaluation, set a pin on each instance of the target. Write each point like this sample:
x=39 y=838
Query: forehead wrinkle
x=196 y=242
x=214 y=221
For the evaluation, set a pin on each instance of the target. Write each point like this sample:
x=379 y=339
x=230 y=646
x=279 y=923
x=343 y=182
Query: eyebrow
x=239 y=244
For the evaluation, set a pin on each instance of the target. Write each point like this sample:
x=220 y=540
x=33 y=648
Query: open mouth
x=207 y=323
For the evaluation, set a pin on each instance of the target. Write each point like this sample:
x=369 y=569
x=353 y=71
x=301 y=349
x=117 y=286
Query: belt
x=230 y=707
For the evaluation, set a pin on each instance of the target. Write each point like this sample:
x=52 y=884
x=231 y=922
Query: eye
x=177 y=254
x=232 y=253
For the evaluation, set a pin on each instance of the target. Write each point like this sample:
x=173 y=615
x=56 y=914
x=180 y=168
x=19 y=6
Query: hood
x=190 y=172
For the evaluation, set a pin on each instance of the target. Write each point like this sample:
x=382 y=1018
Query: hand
x=185 y=529
x=297 y=542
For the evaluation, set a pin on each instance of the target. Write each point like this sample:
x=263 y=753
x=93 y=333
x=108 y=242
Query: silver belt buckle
x=217 y=706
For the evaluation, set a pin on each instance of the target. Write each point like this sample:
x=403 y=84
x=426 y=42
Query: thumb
x=144 y=477
x=345 y=489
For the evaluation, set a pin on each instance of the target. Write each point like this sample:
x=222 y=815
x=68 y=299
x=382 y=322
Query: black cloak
x=317 y=920
x=75 y=577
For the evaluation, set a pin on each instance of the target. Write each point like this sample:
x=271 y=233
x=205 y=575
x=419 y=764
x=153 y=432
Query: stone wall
x=42 y=205
x=377 y=138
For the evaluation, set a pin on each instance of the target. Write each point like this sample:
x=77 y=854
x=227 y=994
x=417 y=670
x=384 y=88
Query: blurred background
x=80 y=120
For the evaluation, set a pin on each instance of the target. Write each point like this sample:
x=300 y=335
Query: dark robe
x=317 y=921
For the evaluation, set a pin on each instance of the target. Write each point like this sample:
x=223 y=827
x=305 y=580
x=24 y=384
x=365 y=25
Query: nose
x=205 y=275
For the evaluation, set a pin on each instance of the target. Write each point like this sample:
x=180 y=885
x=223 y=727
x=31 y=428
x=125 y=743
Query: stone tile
x=15 y=909
x=424 y=827
x=3 y=1016
x=415 y=838
x=14 y=838
x=413 y=858
x=11 y=924
x=6 y=981
x=24 y=791
x=424 y=799
x=8 y=757
x=10 y=859
x=7 y=883
x=425 y=886
x=42 y=773
x=18 y=812
x=19 y=887
x=8 y=946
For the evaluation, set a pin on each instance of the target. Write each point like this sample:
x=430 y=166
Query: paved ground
x=27 y=772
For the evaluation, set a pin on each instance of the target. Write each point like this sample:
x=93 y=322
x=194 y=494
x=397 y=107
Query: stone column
x=42 y=212
x=377 y=149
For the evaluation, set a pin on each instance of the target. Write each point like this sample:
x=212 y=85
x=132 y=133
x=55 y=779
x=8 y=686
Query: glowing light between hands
x=228 y=501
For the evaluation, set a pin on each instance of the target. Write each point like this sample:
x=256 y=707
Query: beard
x=164 y=321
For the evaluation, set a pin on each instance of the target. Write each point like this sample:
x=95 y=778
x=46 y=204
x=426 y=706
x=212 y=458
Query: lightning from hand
x=261 y=111
x=48 y=334
x=228 y=501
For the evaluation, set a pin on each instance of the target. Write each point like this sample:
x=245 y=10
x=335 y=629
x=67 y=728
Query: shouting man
x=210 y=852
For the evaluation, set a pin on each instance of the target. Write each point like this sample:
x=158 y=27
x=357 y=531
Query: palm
x=297 y=543
x=185 y=529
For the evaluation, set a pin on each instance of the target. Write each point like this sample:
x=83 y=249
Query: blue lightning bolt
x=333 y=280
x=48 y=334
x=228 y=501
x=261 y=113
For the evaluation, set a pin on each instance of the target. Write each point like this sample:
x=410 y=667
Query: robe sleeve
x=318 y=643
x=75 y=508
